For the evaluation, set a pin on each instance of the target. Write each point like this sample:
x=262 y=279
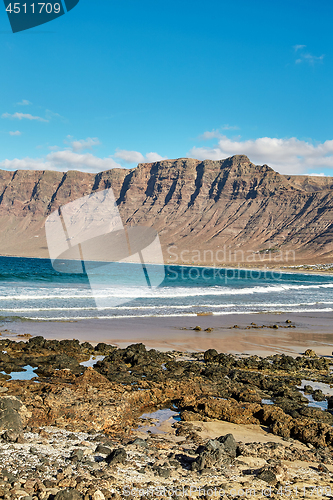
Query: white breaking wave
x=156 y=307
x=167 y=292
x=222 y=313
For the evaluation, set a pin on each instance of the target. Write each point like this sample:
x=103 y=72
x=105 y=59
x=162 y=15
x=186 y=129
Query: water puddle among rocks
x=267 y=402
x=27 y=374
x=315 y=404
x=92 y=361
x=315 y=386
x=325 y=388
x=157 y=420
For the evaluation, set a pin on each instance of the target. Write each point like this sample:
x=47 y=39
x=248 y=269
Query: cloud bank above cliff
x=286 y=156
x=62 y=161
x=77 y=156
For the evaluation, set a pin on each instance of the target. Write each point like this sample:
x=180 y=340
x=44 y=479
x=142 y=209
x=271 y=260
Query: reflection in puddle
x=157 y=418
x=315 y=404
x=92 y=361
x=325 y=388
x=28 y=373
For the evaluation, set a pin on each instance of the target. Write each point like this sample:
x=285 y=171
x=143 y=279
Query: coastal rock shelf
x=81 y=428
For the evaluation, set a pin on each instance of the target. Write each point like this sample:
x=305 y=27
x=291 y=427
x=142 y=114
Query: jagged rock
x=140 y=442
x=118 y=456
x=11 y=436
x=210 y=355
x=77 y=455
x=310 y=353
x=103 y=449
x=162 y=471
x=229 y=444
x=68 y=494
x=212 y=455
x=323 y=468
x=318 y=395
x=104 y=348
x=98 y=495
x=268 y=476
x=13 y=414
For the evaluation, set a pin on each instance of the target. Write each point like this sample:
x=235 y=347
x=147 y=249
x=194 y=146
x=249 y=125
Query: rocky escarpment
x=209 y=212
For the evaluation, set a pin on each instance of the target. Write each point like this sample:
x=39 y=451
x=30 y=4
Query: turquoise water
x=27 y=374
x=30 y=288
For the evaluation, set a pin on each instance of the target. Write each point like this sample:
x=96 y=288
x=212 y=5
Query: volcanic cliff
x=212 y=212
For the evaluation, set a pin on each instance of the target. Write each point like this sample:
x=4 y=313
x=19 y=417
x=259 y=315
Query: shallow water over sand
x=312 y=331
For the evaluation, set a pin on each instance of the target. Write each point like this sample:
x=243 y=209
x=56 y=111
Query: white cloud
x=24 y=102
x=306 y=57
x=129 y=156
x=216 y=134
x=136 y=157
x=230 y=127
x=73 y=158
x=206 y=136
x=23 y=116
x=85 y=143
x=61 y=161
x=299 y=47
x=152 y=157
x=15 y=133
x=287 y=156
x=309 y=58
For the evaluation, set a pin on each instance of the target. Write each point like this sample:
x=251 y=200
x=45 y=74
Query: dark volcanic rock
x=105 y=450
x=77 y=455
x=68 y=494
x=11 y=412
x=267 y=475
x=229 y=444
x=162 y=471
x=104 y=348
x=210 y=355
x=213 y=454
x=118 y=456
x=140 y=442
x=318 y=395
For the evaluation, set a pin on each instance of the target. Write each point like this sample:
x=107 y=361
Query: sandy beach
x=307 y=331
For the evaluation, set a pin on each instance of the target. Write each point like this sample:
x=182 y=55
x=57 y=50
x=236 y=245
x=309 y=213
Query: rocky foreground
x=77 y=432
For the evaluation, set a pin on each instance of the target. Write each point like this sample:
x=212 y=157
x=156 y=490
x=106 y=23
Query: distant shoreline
x=237 y=266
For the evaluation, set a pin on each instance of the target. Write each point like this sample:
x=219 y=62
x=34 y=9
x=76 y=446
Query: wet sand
x=312 y=330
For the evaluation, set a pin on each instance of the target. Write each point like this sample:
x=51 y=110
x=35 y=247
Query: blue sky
x=114 y=83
